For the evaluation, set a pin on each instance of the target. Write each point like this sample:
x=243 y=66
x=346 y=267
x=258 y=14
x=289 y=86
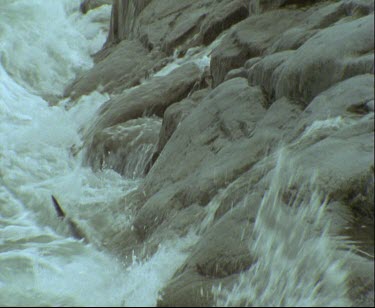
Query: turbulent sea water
x=43 y=46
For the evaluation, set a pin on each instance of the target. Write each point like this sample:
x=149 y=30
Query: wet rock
x=291 y=39
x=249 y=38
x=348 y=52
x=361 y=282
x=123 y=68
x=88 y=5
x=174 y=114
x=126 y=147
x=334 y=104
x=219 y=255
x=261 y=73
x=279 y=30
x=148 y=99
x=224 y=15
x=168 y=24
x=123 y=18
x=237 y=72
x=223 y=250
x=295 y=74
x=217 y=129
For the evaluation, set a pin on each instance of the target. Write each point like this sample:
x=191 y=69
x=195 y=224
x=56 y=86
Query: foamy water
x=43 y=46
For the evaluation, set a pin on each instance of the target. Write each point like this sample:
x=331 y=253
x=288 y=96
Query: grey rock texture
x=124 y=67
x=291 y=77
x=126 y=147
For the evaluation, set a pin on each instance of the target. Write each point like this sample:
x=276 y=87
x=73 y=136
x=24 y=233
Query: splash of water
x=298 y=261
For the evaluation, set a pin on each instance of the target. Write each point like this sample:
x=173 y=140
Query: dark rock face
x=124 y=14
x=167 y=23
x=126 y=147
x=296 y=75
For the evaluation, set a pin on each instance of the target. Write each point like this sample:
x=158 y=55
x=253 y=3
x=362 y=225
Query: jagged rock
x=336 y=102
x=174 y=114
x=220 y=254
x=146 y=100
x=250 y=38
x=261 y=73
x=336 y=144
x=124 y=67
x=126 y=147
x=167 y=23
x=270 y=32
x=217 y=129
x=224 y=15
x=348 y=51
x=224 y=250
x=124 y=14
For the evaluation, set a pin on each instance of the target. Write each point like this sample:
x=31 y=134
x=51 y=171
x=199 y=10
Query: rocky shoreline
x=291 y=74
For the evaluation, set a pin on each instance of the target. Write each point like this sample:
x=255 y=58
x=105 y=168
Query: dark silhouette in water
x=74 y=229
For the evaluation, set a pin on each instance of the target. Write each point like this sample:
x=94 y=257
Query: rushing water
x=43 y=46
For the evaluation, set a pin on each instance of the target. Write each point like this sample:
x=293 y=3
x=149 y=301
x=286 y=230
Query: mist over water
x=43 y=46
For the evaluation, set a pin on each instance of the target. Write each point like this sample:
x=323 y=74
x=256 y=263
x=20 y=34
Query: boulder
x=261 y=73
x=216 y=130
x=88 y=5
x=175 y=113
x=148 y=99
x=126 y=147
x=250 y=38
x=123 y=68
x=123 y=17
x=340 y=101
x=278 y=30
x=223 y=16
x=335 y=142
x=220 y=254
x=168 y=24
x=348 y=51
x=291 y=39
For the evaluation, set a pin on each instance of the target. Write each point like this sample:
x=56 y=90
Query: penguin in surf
x=74 y=229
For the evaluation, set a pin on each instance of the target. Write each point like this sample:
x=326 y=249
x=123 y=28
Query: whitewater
x=44 y=45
